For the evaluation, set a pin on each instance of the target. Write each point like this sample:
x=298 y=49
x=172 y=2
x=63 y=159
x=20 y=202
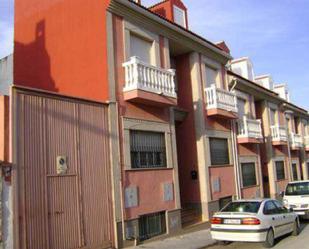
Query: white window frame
x=295 y=161
x=207 y=62
x=222 y=135
x=184 y=24
x=251 y=159
x=279 y=159
x=152 y=126
x=274 y=107
x=133 y=29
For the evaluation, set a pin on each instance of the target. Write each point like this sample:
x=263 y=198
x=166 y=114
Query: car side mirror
x=282 y=193
x=291 y=210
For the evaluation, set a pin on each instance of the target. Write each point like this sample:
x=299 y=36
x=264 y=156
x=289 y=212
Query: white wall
x=6 y=74
x=7 y=215
x=266 y=81
x=283 y=91
x=243 y=67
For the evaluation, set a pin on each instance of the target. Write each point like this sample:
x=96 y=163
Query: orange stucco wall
x=4 y=128
x=150 y=191
x=227 y=181
x=60 y=46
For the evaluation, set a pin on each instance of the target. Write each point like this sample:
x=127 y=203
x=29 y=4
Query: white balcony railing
x=142 y=76
x=296 y=140
x=278 y=133
x=307 y=141
x=217 y=98
x=249 y=128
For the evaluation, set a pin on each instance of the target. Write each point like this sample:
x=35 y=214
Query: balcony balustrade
x=217 y=98
x=249 y=128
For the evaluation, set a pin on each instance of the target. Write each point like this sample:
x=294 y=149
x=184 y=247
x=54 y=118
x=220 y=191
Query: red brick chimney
x=173 y=10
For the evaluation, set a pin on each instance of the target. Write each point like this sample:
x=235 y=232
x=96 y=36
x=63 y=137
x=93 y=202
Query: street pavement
x=286 y=242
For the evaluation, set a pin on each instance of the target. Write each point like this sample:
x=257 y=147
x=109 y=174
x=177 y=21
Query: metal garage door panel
x=64 y=217
x=95 y=172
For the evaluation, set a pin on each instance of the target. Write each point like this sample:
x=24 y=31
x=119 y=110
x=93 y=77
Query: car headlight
x=285 y=202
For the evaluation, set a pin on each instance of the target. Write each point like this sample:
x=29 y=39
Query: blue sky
x=274 y=34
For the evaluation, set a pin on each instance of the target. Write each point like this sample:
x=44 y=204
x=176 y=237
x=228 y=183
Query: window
x=141 y=48
x=272 y=116
x=294 y=168
x=270 y=208
x=280 y=170
x=301 y=188
x=241 y=104
x=147 y=149
x=152 y=225
x=242 y=206
x=248 y=174
x=179 y=16
x=280 y=207
x=224 y=201
x=219 y=151
x=211 y=76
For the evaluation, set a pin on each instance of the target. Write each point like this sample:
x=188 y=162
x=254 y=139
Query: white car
x=296 y=197
x=254 y=221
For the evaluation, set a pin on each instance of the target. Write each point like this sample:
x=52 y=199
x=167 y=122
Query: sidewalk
x=192 y=240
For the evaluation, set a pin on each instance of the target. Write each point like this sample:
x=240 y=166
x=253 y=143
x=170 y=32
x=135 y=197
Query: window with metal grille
x=152 y=225
x=280 y=170
x=147 y=149
x=294 y=168
x=248 y=174
x=219 y=151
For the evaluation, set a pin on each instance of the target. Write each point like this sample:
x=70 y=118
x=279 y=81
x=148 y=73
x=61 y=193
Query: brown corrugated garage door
x=62 y=172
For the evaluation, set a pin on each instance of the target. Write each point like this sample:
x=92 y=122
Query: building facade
x=122 y=124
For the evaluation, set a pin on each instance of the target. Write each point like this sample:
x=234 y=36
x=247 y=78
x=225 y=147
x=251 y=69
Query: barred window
x=147 y=149
x=219 y=151
x=248 y=174
x=152 y=225
x=280 y=170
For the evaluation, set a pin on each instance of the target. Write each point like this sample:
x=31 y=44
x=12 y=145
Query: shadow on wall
x=37 y=72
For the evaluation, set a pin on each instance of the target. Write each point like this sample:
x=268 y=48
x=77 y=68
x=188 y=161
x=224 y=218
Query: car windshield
x=300 y=188
x=242 y=207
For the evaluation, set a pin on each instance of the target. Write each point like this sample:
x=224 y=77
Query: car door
x=287 y=218
x=272 y=217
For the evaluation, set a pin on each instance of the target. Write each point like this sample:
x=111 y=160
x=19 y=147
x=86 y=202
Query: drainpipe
x=289 y=146
x=235 y=158
x=235 y=150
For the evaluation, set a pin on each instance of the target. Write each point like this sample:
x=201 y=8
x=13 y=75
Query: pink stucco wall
x=227 y=181
x=4 y=128
x=150 y=191
x=250 y=193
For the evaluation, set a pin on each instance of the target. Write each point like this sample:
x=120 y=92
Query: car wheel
x=270 y=239
x=296 y=228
